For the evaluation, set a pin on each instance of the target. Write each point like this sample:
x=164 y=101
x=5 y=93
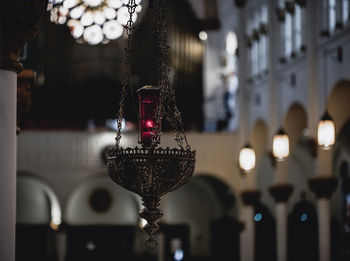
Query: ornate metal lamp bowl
x=150 y=173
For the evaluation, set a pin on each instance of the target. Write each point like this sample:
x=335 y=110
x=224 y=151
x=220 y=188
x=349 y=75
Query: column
x=312 y=65
x=8 y=82
x=19 y=22
x=323 y=187
x=281 y=193
x=273 y=44
x=249 y=198
x=281 y=168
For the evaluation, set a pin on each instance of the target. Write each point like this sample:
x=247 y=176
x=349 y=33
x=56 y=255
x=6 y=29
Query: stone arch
x=265 y=172
x=300 y=161
x=301 y=168
x=341 y=155
x=198 y=203
x=100 y=201
x=37 y=202
x=339 y=108
x=222 y=191
x=295 y=122
x=259 y=137
x=341 y=150
x=338 y=104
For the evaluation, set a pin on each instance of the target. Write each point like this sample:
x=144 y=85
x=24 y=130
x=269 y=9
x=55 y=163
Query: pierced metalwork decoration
x=151 y=171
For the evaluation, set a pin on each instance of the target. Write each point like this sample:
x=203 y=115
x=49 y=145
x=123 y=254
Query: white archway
x=37 y=203
x=100 y=201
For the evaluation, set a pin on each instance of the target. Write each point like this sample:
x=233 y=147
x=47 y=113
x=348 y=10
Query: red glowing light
x=149 y=124
x=148 y=103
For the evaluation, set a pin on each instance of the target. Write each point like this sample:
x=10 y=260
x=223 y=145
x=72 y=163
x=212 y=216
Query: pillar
x=274 y=43
x=19 y=22
x=250 y=198
x=281 y=193
x=323 y=187
x=8 y=81
x=312 y=65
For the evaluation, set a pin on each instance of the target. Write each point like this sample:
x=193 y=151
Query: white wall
x=123 y=210
x=71 y=162
x=301 y=169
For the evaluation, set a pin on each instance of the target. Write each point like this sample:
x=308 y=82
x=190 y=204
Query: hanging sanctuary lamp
x=148 y=169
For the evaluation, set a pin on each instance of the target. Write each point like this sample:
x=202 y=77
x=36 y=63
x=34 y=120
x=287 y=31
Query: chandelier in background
x=93 y=21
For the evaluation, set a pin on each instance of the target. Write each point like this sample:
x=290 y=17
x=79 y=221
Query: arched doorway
x=265 y=172
x=206 y=204
x=338 y=104
x=102 y=221
x=303 y=231
x=302 y=153
x=341 y=199
x=339 y=108
x=265 y=233
x=38 y=215
x=295 y=123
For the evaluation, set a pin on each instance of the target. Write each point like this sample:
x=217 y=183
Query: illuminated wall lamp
x=280 y=145
x=247 y=159
x=326 y=132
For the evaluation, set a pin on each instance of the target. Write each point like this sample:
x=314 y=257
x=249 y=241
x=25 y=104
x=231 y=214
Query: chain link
x=167 y=105
x=130 y=28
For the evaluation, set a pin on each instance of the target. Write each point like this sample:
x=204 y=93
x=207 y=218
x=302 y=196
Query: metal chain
x=167 y=106
x=130 y=27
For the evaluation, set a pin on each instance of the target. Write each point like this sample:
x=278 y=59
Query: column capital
x=250 y=197
x=323 y=187
x=19 y=23
x=281 y=192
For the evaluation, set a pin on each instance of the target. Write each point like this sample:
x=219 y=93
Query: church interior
x=247 y=153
